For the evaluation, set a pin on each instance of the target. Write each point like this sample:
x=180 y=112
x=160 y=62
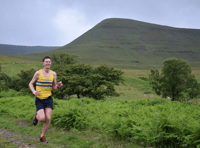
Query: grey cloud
x=26 y=22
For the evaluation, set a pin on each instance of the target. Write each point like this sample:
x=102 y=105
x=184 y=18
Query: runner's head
x=46 y=61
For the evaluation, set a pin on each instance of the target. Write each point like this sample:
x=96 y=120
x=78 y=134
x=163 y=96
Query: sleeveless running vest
x=45 y=85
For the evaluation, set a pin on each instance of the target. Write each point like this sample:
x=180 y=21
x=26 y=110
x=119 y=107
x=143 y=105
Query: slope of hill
x=6 y=49
x=130 y=44
x=11 y=60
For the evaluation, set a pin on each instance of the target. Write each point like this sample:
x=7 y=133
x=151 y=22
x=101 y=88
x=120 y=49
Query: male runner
x=45 y=80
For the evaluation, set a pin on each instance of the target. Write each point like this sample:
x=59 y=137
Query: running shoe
x=35 y=121
x=43 y=139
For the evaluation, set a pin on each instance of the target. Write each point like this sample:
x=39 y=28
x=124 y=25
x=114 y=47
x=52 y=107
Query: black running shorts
x=44 y=103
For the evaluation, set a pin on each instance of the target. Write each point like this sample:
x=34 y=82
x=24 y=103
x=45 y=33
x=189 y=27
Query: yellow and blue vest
x=45 y=85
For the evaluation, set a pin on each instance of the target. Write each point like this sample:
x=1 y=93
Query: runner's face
x=47 y=63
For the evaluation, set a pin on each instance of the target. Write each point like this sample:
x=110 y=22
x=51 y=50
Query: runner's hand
x=59 y=84
x=36 y=92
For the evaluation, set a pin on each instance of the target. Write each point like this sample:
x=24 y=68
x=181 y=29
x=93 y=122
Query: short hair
x=46 y=57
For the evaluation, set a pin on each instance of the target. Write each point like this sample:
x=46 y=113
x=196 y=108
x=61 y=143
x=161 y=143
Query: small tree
x=177 y=82
x=83 y=80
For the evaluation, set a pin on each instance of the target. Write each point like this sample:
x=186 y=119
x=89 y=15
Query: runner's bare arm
x=54 y=80
x=34 y=79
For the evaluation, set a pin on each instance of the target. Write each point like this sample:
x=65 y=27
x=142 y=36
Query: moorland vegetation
x=157 y=122
x=113 y=102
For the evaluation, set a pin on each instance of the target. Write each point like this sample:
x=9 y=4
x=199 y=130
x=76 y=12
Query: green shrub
x=69 y=117
x=4 y=81
x=14 y=84
x=9 y=93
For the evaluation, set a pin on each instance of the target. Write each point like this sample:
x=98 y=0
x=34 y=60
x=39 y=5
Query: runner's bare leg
x=45 y=128
x=48 y=112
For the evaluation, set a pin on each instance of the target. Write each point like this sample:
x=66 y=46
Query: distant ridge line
x=30 y=46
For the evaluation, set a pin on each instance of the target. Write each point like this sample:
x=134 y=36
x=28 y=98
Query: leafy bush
x=9 y=93
x=21 y=82
x=24 y=78
x=68 y=117
x=14 y=84
x=150 y=121
x=4 y=81
x=83 y=79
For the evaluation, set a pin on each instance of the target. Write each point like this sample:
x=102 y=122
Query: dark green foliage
x=77 y=79
x=83 y=80
x=168 y=124
x=5 y=80
x=25 y=78
x=175 y=81
x=158 y=125
x=9 y=93
x=21 y=82
x=72 y=117
x=62 y=61
x=14 y=84
x=143 y=78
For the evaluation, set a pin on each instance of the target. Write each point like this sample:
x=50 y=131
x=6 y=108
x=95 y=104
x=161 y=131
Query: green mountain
x=130 y=44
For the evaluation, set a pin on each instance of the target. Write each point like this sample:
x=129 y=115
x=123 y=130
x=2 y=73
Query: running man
x=45 y=80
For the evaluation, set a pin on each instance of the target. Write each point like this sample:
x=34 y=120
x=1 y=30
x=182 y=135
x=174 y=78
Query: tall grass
x=155 y=122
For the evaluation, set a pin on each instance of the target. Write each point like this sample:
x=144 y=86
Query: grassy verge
x=6 y=143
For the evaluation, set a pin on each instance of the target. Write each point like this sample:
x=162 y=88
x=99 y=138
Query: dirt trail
x=16 y=138
x=12 y=137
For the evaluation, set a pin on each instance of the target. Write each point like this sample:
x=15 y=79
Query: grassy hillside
x=130 y=44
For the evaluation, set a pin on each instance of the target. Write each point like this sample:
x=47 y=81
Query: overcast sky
x=59 y=22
